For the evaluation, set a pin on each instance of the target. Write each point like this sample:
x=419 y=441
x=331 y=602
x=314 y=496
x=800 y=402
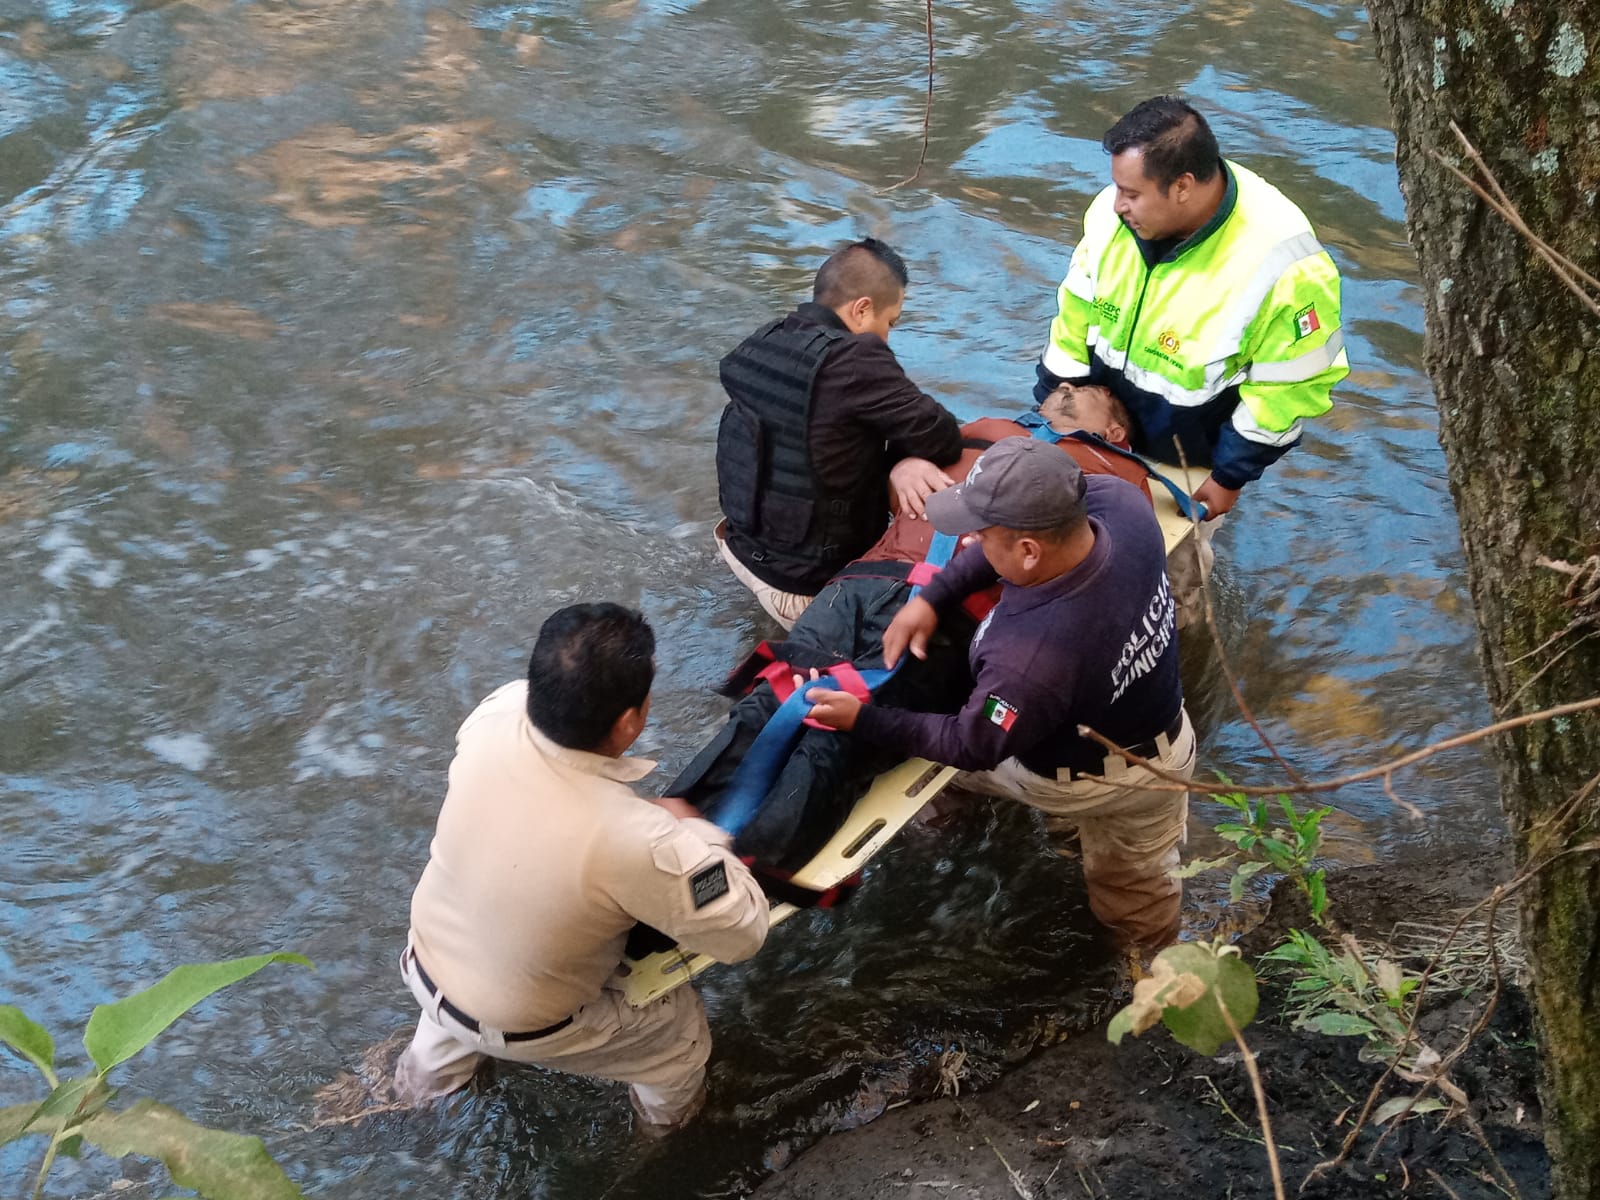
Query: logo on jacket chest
x=1166 y=346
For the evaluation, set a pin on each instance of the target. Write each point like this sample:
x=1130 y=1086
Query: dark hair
x=864 y=268
x=591 y=664
x=1173 y=137
x=1118 y=411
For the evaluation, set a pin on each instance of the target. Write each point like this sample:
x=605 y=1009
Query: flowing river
x=345 y=339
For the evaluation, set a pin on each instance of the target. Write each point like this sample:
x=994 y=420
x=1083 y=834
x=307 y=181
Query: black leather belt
x=1148 y=748
x=526 y=1035
x=1145 y=749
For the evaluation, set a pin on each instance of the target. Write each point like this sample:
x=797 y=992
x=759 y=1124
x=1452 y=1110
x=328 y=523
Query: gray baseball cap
x=1018 y=483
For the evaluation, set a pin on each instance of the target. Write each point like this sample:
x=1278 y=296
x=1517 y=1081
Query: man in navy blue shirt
x=1084 y=634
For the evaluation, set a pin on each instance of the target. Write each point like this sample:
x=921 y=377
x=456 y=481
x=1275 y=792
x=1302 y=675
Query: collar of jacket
x=1160 y=252
x=820 y=314
x=624 y=770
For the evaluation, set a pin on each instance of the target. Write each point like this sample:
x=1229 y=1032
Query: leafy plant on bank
x=1260 y=843
x=218 y=1165
x=1337 y=992
x=1204 y=993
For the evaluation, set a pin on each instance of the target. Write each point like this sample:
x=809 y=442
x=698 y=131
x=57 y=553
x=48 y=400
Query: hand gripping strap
x=849 y=680
x=764 y=761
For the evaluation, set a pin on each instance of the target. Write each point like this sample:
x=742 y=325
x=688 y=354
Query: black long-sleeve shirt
x=1096 y=646
x=862 y=402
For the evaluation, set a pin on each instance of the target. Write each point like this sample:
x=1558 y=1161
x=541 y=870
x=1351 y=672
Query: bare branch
x=1177 y=783
x=1565 y=269
x=927 y=114
x=1216 y=631
x=1261 y=1093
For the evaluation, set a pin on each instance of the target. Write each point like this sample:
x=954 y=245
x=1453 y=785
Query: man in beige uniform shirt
x=542 y=862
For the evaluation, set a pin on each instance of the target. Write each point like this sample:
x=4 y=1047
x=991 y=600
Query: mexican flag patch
x=1305 y=322
x=997 y=712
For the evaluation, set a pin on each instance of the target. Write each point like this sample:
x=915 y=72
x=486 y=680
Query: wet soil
x=1153 y=1119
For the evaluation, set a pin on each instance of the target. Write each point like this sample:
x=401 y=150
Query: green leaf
x=1338 y=1024
x=1308 y=834
x=72 y=1101
x=1396 y=1105
x=1278 y=851
x=1234 y=800
x=219 y=1165
x=118 y=1031
x=14 y=1123
x=70 y=1146
x=1317 y=893
x=1121 y=1025
x=1241 y=877
x=1191 y=869
x=29 y=1039
x=1200 y=1026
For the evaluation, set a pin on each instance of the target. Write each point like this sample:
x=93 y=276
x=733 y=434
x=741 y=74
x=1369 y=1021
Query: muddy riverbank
x=1153 y=1119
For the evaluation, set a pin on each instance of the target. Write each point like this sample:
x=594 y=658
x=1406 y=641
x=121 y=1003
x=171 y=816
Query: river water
x=345 y=339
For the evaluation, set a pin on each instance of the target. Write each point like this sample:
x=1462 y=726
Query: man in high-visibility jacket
x=1201 y=297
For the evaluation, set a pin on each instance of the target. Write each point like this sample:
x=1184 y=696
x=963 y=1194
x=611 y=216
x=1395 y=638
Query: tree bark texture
x=1515 y=362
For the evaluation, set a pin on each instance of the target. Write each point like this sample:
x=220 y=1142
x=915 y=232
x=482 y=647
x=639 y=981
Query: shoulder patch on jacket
x=709 y=884
x=997 y=712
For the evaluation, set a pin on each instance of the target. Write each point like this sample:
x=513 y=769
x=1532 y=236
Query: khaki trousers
x=1129 y=834
x=783 y=607
x=660 y=1050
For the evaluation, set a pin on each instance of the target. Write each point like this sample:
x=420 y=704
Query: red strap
x=849 y=680
x=779 y=677
x=922 y=574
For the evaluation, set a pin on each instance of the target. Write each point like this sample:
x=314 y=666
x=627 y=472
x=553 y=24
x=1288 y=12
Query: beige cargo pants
x=1130 y=834
x=660 y=1050
x=783 y=607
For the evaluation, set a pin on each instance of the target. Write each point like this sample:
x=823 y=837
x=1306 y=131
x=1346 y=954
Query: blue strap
x=765 y=759
x=1040 y=429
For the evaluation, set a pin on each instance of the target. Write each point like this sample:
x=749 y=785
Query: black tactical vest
x=782 y=523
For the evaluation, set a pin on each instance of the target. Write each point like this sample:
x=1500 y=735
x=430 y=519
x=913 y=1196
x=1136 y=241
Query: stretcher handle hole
x=871 y=831
x=924 y=780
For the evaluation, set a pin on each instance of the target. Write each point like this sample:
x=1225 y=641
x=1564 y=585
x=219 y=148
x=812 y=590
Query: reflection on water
x=343 y=341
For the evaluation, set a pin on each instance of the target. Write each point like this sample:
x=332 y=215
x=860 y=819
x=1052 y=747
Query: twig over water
x=927 y=114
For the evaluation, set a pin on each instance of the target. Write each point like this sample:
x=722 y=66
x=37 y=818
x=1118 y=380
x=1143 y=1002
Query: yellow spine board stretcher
x=894 y=798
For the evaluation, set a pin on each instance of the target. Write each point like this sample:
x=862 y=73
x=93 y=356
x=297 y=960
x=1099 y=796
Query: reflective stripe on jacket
x=1229 y=341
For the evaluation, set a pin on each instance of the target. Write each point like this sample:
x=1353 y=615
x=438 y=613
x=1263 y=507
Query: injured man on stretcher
x=815 y=788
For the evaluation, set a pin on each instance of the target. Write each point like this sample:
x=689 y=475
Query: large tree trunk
x=1515 y=361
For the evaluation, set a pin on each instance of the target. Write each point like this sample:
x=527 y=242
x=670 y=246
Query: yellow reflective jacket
x=1227 y=340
